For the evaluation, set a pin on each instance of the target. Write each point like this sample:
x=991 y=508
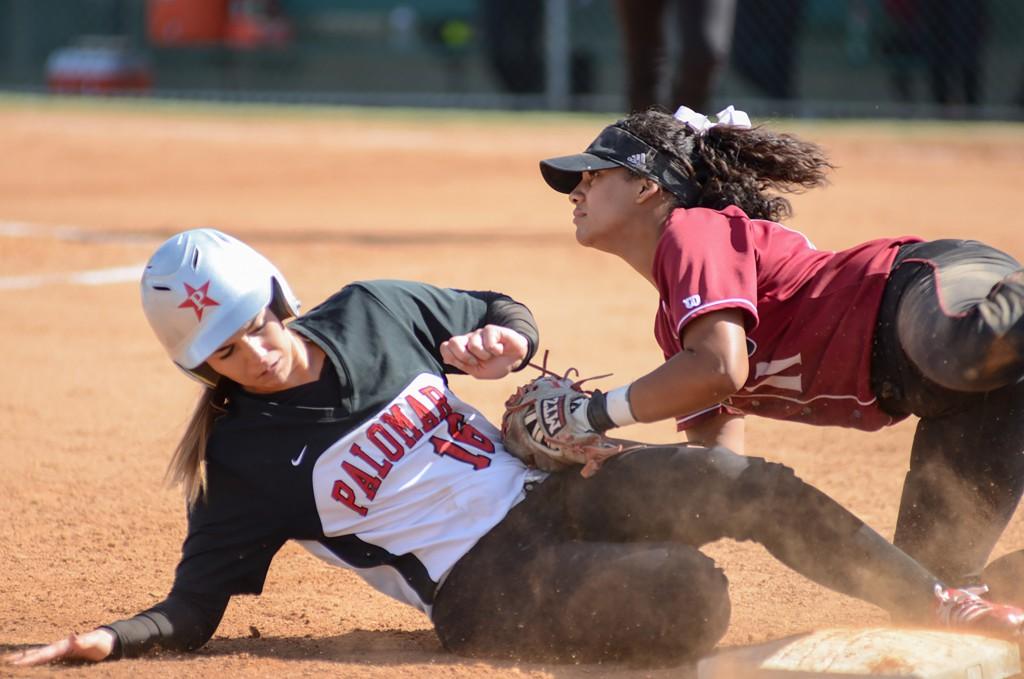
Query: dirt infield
x=90 y=407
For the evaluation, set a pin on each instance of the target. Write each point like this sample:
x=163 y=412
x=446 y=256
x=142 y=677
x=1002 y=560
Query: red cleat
x=964 y=609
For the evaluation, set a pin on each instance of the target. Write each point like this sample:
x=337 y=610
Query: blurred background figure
x=513 y=42
x=943 y=38
x=901 y=45
x=765 y=45
x=955 y=33
x=705 y=30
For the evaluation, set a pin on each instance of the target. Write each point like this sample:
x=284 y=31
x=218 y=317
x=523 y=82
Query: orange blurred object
x=256 y=23
x=182 y=23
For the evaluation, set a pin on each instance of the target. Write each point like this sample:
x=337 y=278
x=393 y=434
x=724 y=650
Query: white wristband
x=617 y=403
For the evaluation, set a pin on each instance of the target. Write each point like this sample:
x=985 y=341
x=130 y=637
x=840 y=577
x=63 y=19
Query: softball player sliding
x=755 y=321
x=339 y=430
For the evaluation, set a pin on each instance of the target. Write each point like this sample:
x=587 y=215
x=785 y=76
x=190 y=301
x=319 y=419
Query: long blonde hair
x=188 y=465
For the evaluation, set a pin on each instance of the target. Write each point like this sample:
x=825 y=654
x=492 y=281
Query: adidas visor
x=615 y=147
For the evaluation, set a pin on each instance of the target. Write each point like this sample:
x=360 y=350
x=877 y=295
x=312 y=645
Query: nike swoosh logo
x=298 y=460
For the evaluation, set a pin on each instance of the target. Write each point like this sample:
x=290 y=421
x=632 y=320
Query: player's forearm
x=182 y=622
x=686 y=383
x=508 y=313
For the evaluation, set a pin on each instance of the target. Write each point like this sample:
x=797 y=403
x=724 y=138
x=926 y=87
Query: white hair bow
x=699 y=123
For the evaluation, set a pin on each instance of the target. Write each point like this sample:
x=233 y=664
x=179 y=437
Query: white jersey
x=426 y=476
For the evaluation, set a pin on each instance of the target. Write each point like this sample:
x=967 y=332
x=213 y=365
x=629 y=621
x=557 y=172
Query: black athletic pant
x=608 y=568
x=949 y=348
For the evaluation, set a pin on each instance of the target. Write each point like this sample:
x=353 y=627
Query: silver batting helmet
x=200 y=287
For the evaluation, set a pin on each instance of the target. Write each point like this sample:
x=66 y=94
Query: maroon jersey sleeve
x=706 y=261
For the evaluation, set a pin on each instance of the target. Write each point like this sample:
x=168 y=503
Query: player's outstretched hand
x=95 y=646
x=489 y=353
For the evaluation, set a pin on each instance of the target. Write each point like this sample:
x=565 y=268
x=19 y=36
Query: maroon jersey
x=810 y=314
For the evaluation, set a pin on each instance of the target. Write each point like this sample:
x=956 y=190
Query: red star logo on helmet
x=197 y=299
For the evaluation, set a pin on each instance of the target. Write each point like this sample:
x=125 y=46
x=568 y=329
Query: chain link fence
x=920 y=58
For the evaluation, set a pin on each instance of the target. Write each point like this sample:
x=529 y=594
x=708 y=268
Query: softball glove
x=546 y=425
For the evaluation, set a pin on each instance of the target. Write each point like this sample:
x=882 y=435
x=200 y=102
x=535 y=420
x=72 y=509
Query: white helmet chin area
x=200 y=287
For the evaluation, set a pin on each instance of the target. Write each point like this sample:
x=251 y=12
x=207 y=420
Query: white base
x=868 y=652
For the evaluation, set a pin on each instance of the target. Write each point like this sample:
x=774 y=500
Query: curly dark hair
x=734 y=165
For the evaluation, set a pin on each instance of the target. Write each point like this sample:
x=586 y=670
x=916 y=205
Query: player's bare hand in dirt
x=94 y=646
x=488 y=353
